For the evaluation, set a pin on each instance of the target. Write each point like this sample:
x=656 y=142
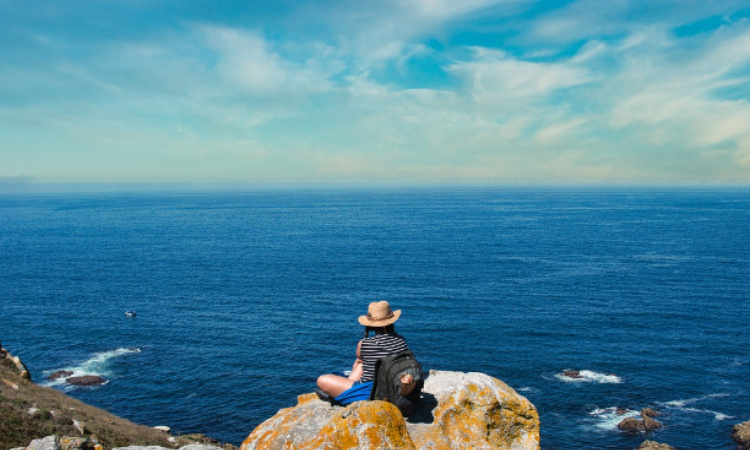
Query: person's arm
x=357 y=366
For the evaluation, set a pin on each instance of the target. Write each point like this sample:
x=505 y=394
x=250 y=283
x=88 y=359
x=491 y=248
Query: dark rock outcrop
x=86 y=380
x=60 y=374
x=645 y=423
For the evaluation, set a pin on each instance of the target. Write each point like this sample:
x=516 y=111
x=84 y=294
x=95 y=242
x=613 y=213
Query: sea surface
x=244 y=297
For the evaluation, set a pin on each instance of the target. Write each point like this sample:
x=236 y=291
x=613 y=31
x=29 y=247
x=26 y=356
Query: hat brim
x=363 y=320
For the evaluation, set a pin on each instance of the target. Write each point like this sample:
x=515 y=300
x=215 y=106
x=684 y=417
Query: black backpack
x=387 y=383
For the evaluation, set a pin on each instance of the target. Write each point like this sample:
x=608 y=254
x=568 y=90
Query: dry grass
x=32 y=411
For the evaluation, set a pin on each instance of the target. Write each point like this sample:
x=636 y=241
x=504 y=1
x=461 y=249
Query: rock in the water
x=572 y=374
x=60 y=374
x=651 y=445
x=86 y=380
x=631 y=424
x=458 y=411
x=646 y=423
x=741 y=434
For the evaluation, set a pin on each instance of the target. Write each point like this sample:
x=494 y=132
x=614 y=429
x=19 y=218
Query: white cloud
x=249 y=61
x=493 y=75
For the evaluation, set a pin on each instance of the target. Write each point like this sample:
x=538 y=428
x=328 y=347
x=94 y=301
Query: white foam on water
x=589 y=376
x=98 y=364
x=717 y=415
x=684 y=406
x=607 y=419
x=690 y=401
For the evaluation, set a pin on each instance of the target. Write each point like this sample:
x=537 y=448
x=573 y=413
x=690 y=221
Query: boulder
x=458 y=411
x=572 y=374
x=86 y=380
x=646 y=423
x=651 y=445
x=47 y=443
x=741 y=435
x=60 y=374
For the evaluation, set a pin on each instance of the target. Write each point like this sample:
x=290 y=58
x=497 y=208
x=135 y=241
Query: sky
x=408 y=91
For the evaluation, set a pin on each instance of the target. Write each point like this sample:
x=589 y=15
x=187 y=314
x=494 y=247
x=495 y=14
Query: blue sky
x=430 y=91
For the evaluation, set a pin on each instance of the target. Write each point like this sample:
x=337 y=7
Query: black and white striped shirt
x=377 y=347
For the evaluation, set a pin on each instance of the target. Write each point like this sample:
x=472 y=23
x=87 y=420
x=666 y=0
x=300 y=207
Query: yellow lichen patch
x=482 y=416
x=306 y=398
x=365 y=425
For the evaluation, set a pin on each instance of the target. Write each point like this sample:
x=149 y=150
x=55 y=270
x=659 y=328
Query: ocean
x=244 y=297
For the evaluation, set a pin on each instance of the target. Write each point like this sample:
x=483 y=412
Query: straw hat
x=379 y=314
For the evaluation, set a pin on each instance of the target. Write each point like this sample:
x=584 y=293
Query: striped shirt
x=377 y=347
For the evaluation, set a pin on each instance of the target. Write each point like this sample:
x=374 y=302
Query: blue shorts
x=359 y=391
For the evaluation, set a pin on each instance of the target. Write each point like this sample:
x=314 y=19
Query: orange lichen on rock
x=458 y=411
x=477 y=411
x=364 y=425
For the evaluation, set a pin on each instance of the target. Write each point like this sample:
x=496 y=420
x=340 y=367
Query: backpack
x=387 y=384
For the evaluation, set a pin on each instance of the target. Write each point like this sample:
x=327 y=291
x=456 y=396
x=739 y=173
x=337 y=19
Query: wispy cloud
x=585 y=91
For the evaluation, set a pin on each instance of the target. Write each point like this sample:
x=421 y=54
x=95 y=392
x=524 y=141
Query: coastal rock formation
x=60 y=374
x=651 y=445
x=458 y=411
x=576 y=374
x=23 y=371
x=66 y=443
x=86 y=380
x=741 y=435
x=646 y=423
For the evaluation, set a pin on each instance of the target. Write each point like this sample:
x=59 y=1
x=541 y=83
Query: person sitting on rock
x=386 y=342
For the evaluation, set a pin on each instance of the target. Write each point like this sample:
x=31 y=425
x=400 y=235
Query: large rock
x=60 y=374
x=458 y=411
x=651 y=445
x=741 y=434
x=86 y=380
x=646 y=423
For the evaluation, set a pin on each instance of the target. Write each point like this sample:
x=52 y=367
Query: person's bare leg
x=334 y=385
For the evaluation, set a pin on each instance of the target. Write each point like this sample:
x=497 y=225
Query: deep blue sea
x=243 y=298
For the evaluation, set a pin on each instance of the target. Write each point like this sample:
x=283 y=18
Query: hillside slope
x=29 y=411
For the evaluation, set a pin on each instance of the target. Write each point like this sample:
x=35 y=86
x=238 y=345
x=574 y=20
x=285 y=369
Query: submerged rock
x=86 y=380
x=458 y=411
x=60 y=374
x=572 y=374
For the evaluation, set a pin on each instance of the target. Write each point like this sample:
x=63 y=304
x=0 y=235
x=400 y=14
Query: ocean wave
x=684 y=406
x=717 y=415
x=588 y=376
x=607 y=419
x=98 y=364
x=691 y=401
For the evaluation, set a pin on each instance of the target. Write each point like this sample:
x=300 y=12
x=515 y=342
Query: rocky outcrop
x=23 y=371
x=66 y=443
x=651 y=445
x=86 y=380
x=60 y=374
x=576 y=374
x=741 y=435
x=646 y=423
x=458 y=411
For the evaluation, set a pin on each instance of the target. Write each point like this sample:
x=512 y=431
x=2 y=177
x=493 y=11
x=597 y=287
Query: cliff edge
x=458 y=411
